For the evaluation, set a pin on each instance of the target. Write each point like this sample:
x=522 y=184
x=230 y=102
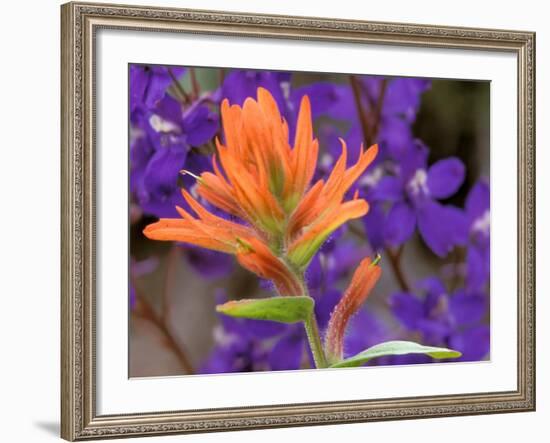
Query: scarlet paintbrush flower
x=365 y=277
x=267 y=184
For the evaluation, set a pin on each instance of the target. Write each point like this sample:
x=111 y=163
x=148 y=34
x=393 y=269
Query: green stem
x=314 y=339
x=313 y=336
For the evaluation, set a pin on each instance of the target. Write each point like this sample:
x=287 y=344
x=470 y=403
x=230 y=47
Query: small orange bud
x=365 y=277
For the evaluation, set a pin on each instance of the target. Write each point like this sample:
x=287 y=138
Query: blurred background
x=429 y=218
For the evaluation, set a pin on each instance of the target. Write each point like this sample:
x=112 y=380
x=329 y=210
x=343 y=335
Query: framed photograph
x=283 y=221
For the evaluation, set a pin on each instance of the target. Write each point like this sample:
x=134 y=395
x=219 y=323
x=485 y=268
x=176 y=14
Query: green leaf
x=280 y=309
x=395 y=348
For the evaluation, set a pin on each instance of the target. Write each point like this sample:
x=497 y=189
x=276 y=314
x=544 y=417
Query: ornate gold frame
x=79 y=23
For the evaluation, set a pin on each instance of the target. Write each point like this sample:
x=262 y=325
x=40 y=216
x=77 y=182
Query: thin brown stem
x=370 y=126
x=395 y=263
x=394 y=259
x=194 y=83
x=379 y=105
x=146 y=311
x=363 y=117
x=179 y=88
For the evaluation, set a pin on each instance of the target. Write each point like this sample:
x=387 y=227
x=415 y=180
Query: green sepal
x=279 y=309
x=395 y=348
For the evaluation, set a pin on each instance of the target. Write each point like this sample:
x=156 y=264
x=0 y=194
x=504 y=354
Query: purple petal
x=343 y=259
x=434 y=330
x=195 y=163
x=344 y=108
x=209 y=264
x=467 y=309
x=200 y=125
x=400 y=224
x=160 y=80
x=374 y=223
x=163 y=169
x=287 y=353
x=324 y=306
x=315 y=274
x=263 y=329
x=441 y=227
x=445 y=177
x=148 y=84
x=431 y=285
x=322 y=96
x=478 y=200
x=160 y=192
x=395 y=137
x=169 y=109
x=403 y=96
x=474 y=343
x=137 y=85
x=413 y=159
x=407 y=308
x=365 y=330
x=389 y=188
x=238 y=85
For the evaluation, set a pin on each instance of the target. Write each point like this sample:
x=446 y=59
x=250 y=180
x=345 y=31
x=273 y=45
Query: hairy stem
x=314 y=340
x=313 y=335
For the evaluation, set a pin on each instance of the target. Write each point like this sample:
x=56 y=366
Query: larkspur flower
x=149 y=84
x=441 y=318
x=165 y=132
x=479 y=242
x=398 y=100
x=163 y=137
x=414 y=191
x=266 y=185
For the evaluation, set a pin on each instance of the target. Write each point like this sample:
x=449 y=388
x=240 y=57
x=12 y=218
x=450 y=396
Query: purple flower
x=332 y=264
x=444 y=319
x=473 y=343
x=402 y=97
x=414 y=190
x=399 y=99
x=162 y=135
x=365 y=330
x=241 y=345
x=479 y=221
x=148 y=84
x=235 y=351
x=323 y=97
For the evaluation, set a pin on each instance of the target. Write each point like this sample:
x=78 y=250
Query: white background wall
x=29 y=221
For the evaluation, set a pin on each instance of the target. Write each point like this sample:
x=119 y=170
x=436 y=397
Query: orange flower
x=255 y=256
x=365 y=277
x=266 y=183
